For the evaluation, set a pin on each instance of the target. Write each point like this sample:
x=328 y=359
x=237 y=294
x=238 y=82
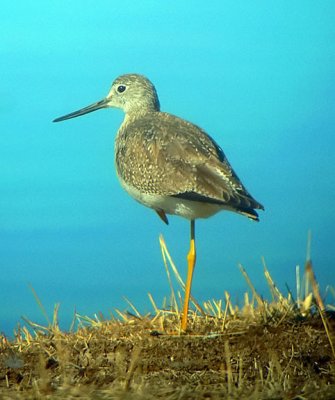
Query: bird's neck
x=136 y=114
x=141 y=106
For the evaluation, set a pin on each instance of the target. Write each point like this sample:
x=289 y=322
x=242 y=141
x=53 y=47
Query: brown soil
x=287 y=357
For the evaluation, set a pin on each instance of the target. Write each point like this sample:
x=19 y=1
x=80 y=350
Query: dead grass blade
x=315 y=287
x=276 y=294
x=225 y=311
x=153 y=303
x=138 y=315
x=253 y=290
x=180 y=281
x=166 y=255
x=39 y=303
x=230 y=379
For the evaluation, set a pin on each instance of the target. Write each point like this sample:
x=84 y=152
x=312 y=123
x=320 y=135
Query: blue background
x=257 y=76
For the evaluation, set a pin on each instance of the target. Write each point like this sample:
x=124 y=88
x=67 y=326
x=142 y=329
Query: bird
x=169 y=164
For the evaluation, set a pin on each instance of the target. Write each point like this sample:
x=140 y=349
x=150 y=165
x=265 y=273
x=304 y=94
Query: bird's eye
x=121 y=88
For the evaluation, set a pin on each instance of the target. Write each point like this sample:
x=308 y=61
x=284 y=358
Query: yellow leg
x=191 y=257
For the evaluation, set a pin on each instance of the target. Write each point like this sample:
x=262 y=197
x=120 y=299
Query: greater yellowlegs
x=169 y=164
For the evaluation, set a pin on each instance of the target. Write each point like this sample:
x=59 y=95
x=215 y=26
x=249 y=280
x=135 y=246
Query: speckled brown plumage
x=159 y=153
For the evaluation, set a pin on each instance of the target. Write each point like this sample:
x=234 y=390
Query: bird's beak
x=93 y=107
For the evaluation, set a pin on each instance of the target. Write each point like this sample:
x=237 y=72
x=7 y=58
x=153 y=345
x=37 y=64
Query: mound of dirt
x=289 y=358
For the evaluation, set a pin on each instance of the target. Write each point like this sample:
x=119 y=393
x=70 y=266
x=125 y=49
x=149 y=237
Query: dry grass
x=279 y=349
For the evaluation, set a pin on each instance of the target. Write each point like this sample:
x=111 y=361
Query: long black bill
x=93 y=107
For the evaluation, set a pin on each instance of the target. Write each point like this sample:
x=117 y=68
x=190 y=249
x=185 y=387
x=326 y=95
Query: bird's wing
x=176 y=158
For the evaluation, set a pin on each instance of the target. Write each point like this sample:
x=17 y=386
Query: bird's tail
x=249 y=212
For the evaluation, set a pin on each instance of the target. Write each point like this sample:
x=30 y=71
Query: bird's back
x=160 y=154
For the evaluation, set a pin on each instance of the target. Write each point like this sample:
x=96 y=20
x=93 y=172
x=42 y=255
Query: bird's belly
x=172 y=205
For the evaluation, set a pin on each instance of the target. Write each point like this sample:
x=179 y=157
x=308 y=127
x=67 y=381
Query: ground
x=278 y=349
x=245 y=357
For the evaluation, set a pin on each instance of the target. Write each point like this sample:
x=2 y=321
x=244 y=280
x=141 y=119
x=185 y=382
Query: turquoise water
x=257 y=76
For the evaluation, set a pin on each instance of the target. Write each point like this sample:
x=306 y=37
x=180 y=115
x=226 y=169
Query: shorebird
x=169 y=164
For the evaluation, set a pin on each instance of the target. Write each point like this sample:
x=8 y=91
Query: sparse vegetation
x=279 y=349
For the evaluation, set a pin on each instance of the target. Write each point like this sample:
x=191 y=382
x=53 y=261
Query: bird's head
x=133 y=93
